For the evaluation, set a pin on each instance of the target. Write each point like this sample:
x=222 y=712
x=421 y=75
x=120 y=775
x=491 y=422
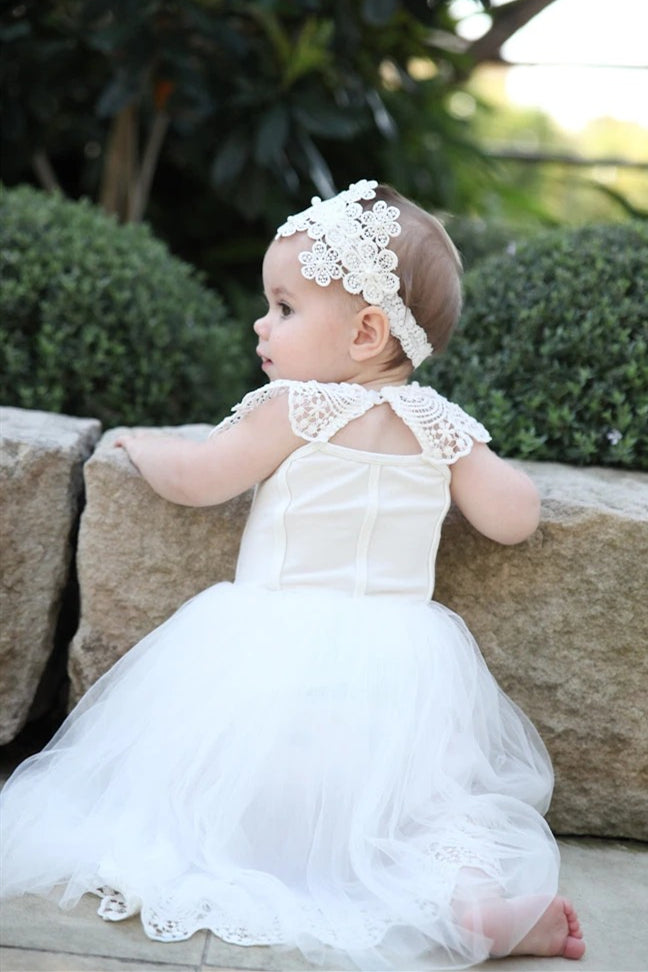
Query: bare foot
x=556 y=933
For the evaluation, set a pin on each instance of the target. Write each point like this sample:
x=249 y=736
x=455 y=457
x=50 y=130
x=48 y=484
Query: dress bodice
x=341 y=518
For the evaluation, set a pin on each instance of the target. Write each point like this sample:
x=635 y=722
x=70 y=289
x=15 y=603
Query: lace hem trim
x=170 y=919
x=317 y=411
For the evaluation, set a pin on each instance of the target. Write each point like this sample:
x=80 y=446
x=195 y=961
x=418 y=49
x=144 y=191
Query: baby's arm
x=210 y=472
x=500 y=501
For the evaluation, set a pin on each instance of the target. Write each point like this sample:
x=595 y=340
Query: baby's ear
x=371 y=333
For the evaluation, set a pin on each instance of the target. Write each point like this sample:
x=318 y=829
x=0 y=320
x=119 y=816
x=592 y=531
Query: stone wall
x=561 y=619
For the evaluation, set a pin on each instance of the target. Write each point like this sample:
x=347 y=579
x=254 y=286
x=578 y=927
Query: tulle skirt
x=304 y=769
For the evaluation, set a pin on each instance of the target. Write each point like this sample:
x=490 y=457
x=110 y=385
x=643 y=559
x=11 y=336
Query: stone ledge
x=41 y=487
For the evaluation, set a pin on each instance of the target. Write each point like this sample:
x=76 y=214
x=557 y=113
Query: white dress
x=315 y=756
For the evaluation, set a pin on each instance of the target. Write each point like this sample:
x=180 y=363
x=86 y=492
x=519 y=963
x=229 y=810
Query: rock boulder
x=141 y=557
x=562 y=621
x=41 y=483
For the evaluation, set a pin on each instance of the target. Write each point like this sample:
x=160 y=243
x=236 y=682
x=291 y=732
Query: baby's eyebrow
x=280 y=292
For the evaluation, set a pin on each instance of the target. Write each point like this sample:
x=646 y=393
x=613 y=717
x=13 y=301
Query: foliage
x=98 y=319
x=552 y=352
x=256 y=86
x=231 y=113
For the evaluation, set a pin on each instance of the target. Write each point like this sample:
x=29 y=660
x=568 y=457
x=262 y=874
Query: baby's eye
x=285 y=310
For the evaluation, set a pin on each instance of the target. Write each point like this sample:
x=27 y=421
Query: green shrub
x=98 y=319
x=552 y=349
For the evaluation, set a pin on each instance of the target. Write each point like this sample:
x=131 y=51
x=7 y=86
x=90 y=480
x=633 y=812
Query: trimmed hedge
x=552 y=348
x=98 y=319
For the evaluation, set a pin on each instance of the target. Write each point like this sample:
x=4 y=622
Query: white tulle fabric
x=302 y=766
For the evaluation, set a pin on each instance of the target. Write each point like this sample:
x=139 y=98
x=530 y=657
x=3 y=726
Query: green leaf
x=318 y=170
x=384 y=121
x=271 y=135
x=328 y=121
x=310 y=51
x=230 y=159
x=378 y=12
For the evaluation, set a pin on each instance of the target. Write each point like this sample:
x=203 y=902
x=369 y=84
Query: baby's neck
x=371 y=376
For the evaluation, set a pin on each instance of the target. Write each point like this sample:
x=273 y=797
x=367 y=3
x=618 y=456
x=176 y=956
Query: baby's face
x=307 y=330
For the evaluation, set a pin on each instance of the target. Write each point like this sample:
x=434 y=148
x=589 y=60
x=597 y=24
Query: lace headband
x=351 y=245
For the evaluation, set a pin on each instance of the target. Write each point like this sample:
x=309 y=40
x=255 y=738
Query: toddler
x=316 y=756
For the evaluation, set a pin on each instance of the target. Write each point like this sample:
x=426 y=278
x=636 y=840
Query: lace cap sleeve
x=444 y=431
x=249 y=403
x=316 y=411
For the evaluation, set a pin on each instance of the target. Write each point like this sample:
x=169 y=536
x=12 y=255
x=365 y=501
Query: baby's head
x=391 y=254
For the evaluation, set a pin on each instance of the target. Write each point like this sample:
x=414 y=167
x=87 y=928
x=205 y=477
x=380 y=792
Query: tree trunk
x=119 y=175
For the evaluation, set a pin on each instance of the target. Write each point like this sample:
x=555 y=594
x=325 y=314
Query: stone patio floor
x=607 y=880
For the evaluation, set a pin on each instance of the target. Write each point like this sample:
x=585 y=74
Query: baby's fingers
x=125 y=441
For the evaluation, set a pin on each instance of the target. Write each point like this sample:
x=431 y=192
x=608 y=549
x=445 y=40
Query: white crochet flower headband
x=351 y=245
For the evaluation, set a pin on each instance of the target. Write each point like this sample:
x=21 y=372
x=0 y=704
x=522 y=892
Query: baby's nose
x=260 y=325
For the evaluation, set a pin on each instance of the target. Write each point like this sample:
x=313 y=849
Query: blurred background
x=212 y=119
x=200 y=124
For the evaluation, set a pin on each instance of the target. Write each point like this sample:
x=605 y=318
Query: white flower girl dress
x=315 y=756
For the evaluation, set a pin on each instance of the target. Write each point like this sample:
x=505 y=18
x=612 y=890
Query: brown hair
x=429 y=268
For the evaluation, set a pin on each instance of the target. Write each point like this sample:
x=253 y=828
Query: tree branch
x=147 y=169
x=566 y=158
x=44 y=171
x=507 y=20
